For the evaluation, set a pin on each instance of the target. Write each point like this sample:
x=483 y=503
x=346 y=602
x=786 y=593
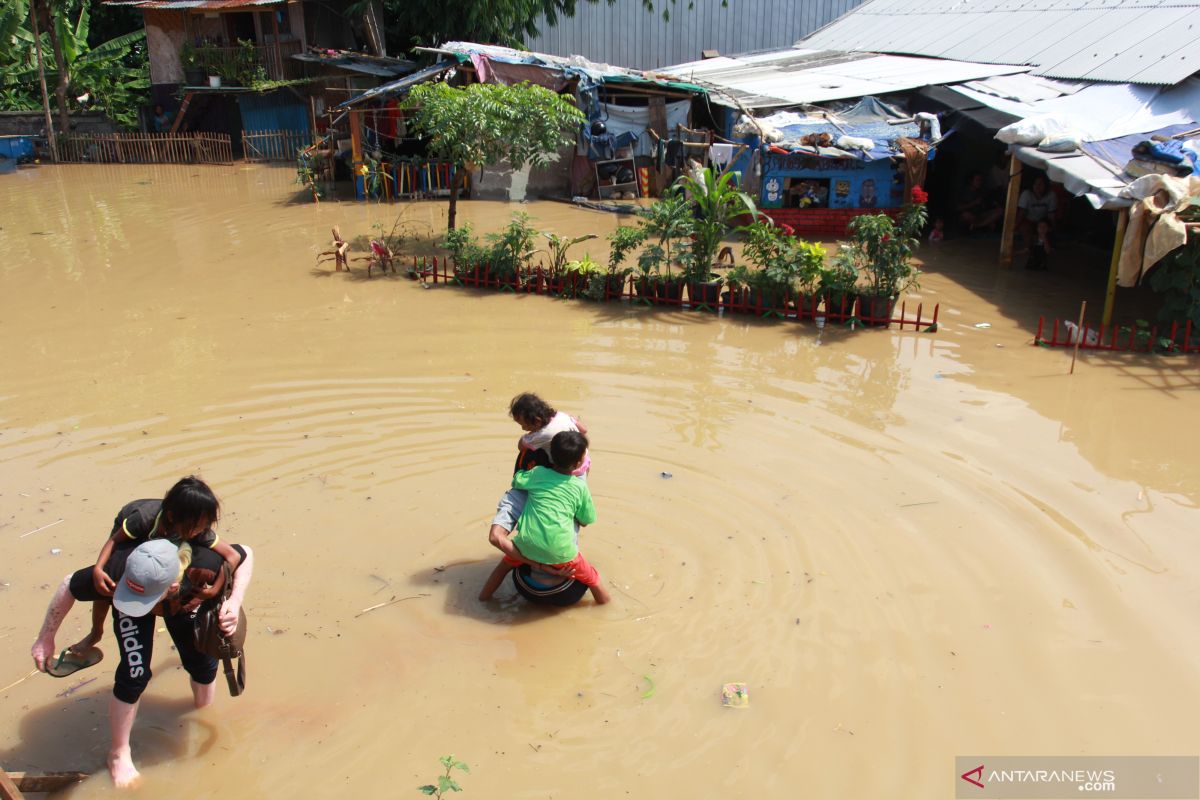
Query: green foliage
x=485 y=123
x=374 y=177
x=624 y=240
x=785 y=262
x=716 y=203
x=669 y=222
x=1177 y=278
x=558 y=247
x=512 y=247
x=445 y=783
x=840 y=277
x=115 y=73
x=308 y=168
x=465 y=249
x=882 y=250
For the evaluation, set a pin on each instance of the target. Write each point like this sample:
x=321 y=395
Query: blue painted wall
x=277 y=111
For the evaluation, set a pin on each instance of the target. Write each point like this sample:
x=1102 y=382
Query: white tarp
x=1106 y=110
x=1082 y=175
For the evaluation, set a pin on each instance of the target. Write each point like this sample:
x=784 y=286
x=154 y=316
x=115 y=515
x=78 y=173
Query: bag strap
x=237 y=682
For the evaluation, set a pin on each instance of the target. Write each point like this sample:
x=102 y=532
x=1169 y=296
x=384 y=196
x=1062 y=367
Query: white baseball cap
x=149 y=571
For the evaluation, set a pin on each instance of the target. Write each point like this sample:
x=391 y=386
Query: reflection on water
x=910 y=546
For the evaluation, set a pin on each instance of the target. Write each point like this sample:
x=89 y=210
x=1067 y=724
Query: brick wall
x=822 y=223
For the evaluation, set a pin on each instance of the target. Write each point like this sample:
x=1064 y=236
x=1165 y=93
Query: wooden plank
x=1010 y=212
x=8 y=789
x=46 y=782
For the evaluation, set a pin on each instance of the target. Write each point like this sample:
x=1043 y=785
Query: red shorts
x=585 y=573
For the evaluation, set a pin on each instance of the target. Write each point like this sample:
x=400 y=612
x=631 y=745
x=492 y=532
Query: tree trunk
x=452 y=212
x=60 y=63
x=37 y=44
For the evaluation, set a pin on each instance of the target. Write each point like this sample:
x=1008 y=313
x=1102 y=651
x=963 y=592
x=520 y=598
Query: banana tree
x=101 y=71
x=717 y=203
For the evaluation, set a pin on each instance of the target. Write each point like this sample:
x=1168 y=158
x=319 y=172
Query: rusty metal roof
x=191 y=5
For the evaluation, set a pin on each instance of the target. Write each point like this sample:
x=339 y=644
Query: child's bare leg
x=600 y=594
x=99 y=614
x=494 y=580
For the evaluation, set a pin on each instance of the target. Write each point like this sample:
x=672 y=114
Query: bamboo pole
x=1010 y=212
x=1110 y=296
x=1078 y=336
x=8 y=789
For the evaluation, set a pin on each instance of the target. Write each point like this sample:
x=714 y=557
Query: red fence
x=1119 y=338
x=848 y=309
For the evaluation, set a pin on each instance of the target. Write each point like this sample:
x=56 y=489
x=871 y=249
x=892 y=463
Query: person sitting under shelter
x=1036 y=204
x=977 y=208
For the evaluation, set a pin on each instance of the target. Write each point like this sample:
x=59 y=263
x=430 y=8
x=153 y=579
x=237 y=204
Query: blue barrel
x=18 y=148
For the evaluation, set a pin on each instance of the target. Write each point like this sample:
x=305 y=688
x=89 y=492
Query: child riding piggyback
x=541 y=423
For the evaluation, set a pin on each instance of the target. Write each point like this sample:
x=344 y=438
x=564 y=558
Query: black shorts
x=135 y=635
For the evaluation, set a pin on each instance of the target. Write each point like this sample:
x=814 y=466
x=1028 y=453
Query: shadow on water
x=72 y=734
x=464 y=579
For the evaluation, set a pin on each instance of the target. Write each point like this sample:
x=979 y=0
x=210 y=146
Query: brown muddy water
x=909 y=546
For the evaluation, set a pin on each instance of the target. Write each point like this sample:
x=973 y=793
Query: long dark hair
x=529 y=407
x=191 y=501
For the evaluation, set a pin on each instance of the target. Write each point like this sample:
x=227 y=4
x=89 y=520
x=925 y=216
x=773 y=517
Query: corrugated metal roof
x=794 y=77
x=400 y=86
x=190 y=5
x=1136 y=41
x=624 y=32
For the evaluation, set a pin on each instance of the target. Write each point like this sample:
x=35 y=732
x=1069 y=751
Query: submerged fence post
x=1078 y=337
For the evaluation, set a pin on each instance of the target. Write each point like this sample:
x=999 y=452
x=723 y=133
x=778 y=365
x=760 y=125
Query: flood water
x=909 y=546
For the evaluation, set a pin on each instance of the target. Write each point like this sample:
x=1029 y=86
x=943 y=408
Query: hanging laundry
x=720 y=154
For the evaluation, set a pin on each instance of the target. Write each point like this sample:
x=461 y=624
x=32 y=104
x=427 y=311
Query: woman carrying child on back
x=186 y=514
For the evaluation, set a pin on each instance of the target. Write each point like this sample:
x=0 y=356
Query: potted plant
x=557 y=248
x=592 y=278
x=511 y=250
x=737 y=280
x=716 y=202
x=838 y=283
x=669 y=222
x=885 y=249
x=623 y=241
x=193 y=68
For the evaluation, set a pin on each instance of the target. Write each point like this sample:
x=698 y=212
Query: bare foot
x=87 y=642
x=120 y=767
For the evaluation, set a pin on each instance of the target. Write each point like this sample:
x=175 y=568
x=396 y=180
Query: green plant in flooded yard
x=512 y=247
x=445 y=783
x=465 y=249
x=1177 y=279
x=557 y=248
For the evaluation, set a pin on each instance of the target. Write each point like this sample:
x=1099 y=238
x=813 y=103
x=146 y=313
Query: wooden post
x=275 y=33
x=1010 y=212
x=1110 y=296
x=37 y=44
x=8 y=789
x=1078 y=336
x=45 y=782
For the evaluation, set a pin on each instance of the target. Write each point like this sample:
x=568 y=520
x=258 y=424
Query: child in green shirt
x=546 y=531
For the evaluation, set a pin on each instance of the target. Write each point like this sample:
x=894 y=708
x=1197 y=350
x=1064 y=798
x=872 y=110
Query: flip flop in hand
x=69 y=662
